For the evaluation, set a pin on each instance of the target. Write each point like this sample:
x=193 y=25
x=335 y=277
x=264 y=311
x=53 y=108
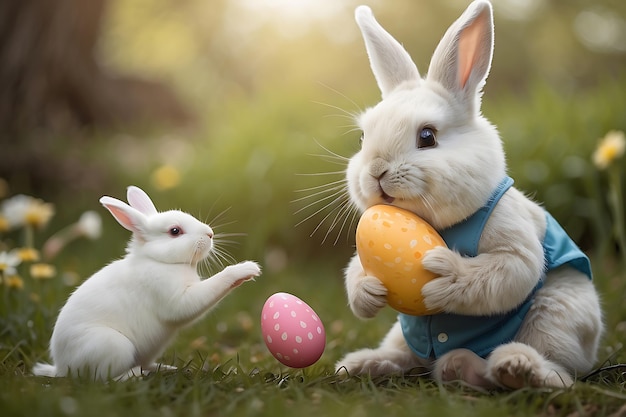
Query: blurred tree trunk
x=50 y=82
x=49 y=76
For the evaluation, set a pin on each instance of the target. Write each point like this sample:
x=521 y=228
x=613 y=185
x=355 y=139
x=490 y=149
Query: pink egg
x=291 y=330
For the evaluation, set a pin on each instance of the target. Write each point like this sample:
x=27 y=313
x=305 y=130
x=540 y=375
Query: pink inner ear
x=469 y=41
x=122 y=217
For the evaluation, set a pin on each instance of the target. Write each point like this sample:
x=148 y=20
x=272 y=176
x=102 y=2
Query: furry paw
x=517 y=365
x=368 y=297
x=463 y=365
x=367 y=361
x=442 y=291
x=243 y=272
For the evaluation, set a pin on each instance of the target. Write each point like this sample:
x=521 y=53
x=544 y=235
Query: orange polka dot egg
x=391 y=242
x=292 y=331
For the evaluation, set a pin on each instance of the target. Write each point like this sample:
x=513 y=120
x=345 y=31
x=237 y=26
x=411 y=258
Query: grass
x=224 y=369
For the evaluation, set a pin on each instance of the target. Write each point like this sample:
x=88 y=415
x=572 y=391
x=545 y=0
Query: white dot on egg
x=276 y=315
x=277 y=327
x=298 y=339
x=398 y=260
x=414 y=281
x=269 y=339
x=427 y=239
x=387 y=246
x=278 y=355
x=295 y=351
x=284 y=336
x=314 y=317
x=319 y=330
x=413 y=243
x=303 y=324
x=271 y=304
x=299 y=302
x=293 y=313
x=310 y=335
x=287 y=358
x=286 y=305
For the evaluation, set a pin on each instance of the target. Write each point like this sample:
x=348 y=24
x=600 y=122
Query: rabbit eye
x=175 y=231
x=426 y=138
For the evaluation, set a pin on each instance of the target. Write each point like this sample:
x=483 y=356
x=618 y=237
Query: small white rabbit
x=122 y=318
x=519 y=307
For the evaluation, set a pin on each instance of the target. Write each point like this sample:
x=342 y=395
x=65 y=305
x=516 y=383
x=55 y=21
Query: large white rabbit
x=120 y=320
x=519 y=307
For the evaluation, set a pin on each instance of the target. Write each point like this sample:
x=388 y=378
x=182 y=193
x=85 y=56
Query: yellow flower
x=28 y=254
x=4 y=224
x=611 y=147
x=42 y=271
x=38 y=214
x=165 y=177
x=14 y=281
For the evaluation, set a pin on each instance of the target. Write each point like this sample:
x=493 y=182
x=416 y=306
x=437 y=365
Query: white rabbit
x=519 y=307
x=122 y=318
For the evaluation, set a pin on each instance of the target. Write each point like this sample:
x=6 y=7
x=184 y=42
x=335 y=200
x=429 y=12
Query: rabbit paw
x=441 y=291
x=368 y=297
x=517 y=365
x=464 y=365
x=367 y=361
x=244 y=271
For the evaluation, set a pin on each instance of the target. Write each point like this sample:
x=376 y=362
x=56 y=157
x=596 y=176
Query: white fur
x=122 y=318
x=444 y=185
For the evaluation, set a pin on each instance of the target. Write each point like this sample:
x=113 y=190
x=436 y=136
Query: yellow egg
x=391 y=243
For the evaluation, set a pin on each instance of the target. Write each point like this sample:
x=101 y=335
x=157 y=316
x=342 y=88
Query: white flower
x=21 y=210
x=89 y=225
x=8 y=262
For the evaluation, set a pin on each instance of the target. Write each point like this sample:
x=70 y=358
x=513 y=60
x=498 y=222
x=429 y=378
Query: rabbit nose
x=378 y=168
x=210 y=234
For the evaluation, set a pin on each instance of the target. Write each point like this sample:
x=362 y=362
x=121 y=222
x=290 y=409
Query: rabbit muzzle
x=378 y=170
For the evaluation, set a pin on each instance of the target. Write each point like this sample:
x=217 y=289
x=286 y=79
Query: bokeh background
x=239 y=111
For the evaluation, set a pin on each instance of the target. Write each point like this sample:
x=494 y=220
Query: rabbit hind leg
x=463 y=365
x=106 y=353
x=393 y=356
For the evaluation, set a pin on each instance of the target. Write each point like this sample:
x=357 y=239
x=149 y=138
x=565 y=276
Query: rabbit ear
x=390 y=62
x=125 y=215
x=462 y=59
x=139 y=200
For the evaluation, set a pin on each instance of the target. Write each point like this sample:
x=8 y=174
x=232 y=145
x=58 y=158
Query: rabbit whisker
x=342 y=199
x=333 y=197
x=329 y=185
x=340 y=94
x=334 y=190
x=343 y=212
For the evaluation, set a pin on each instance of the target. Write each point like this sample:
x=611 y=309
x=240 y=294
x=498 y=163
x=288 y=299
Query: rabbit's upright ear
x=138 y=199
x=462 y=59
x=390 y=62
x=125 y=215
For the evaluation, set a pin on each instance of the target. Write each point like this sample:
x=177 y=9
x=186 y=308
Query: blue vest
x=434 y=335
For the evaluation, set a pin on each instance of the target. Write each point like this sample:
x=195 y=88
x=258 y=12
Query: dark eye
x=175 y=231
x=426 y=138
